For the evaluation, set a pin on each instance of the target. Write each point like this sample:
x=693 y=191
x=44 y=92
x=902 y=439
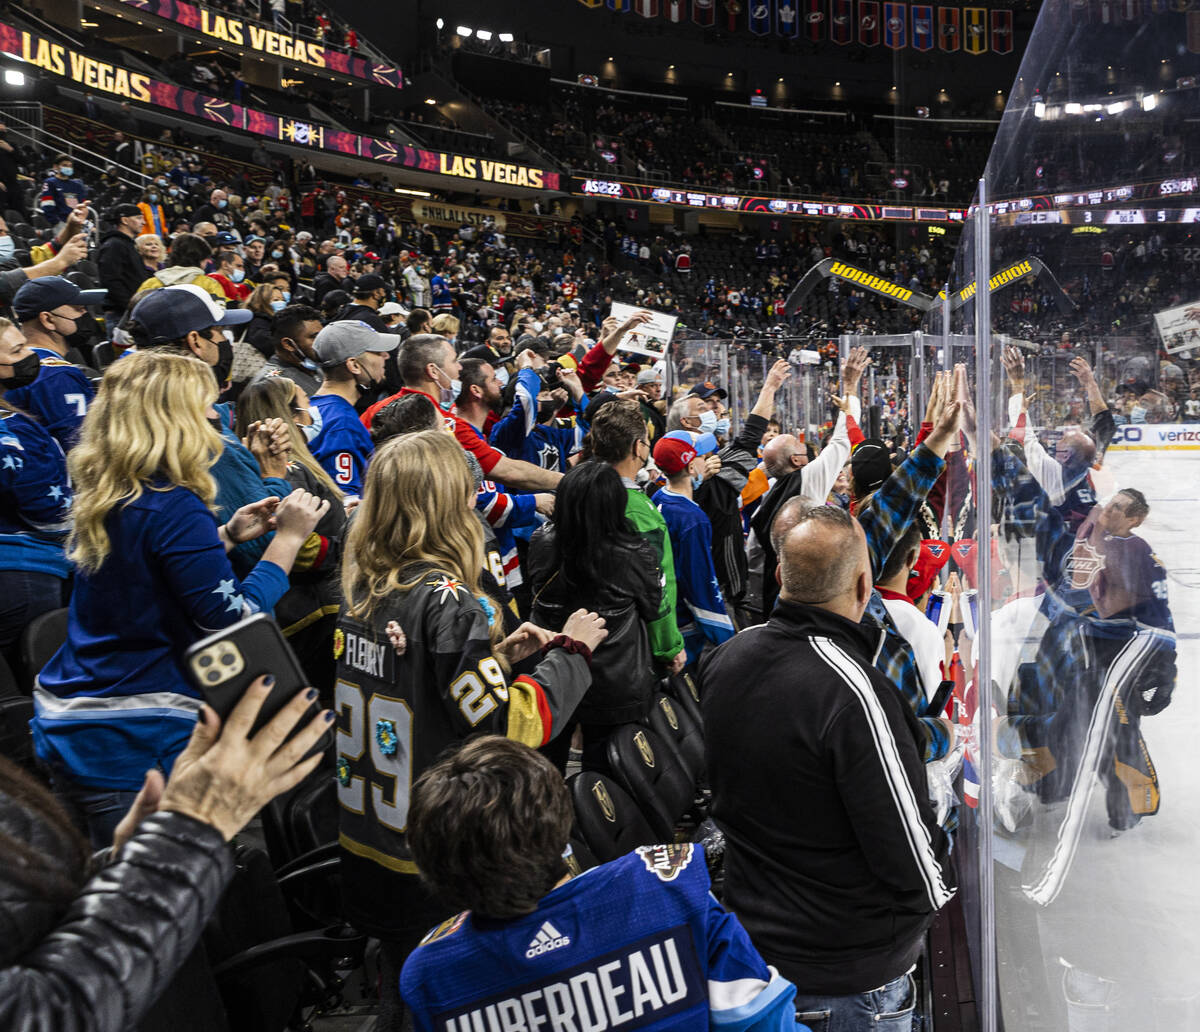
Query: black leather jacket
x=623 y=674
x=98 y=964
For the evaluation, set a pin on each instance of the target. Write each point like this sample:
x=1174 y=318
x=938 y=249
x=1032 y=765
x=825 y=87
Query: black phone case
x=264 y=651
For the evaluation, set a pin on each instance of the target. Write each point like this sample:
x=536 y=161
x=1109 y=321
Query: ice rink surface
x=1130 y=911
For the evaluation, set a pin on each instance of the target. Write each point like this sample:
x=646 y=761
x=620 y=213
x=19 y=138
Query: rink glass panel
x=1094 y=820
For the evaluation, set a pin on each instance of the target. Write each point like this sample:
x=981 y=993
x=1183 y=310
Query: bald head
x=1076 y=449
x=783 y=454
x=790 y=513
x=823 y=562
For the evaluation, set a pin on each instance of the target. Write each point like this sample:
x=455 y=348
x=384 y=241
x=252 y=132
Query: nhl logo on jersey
x=666 y=862
x=1085 y=564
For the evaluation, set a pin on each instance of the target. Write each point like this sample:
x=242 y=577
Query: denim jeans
x=886 y=1009
x=100 y=808
x=25 y=594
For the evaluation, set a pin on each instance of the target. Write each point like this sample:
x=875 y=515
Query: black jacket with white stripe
x=835 y=863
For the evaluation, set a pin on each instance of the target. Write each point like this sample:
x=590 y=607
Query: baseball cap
x=349 y=339
x=649 y=375
x=125 y=211
x=703 y=443
x=965 y=555
x=708 y=389
x=672 y=455
x=173 y=312
x=369 y=282
x=934 y=555
x=870 y=466
x=48 y=293
x=225 y=237
x=392 y=308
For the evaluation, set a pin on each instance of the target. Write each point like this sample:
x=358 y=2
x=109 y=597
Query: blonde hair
x=260 y=299
x=445 y=325
x=271 y=398
x=415 y=515
x=148 y=421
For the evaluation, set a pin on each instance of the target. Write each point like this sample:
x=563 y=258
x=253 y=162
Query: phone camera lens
x=212 y=676
x=205 y=660
x=229 y=659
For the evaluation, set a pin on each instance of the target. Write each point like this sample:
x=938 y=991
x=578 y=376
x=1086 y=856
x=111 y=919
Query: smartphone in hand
x=222 y=666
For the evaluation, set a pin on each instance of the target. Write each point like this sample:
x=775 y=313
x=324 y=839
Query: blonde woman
x=422 y=663
x=308 y=612
x=264 y=301
x=152 y=251
x=151 y=577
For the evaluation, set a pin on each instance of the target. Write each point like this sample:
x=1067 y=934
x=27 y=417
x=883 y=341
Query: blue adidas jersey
x=669 y=956
x=342 y=446
x=35 y=497
x=59 y=397
x=114 y=701
x=700 y=612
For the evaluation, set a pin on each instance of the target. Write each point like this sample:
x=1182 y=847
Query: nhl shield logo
x=605 y=800
x=643 y=746
x=666 y=862
x=1085 y=564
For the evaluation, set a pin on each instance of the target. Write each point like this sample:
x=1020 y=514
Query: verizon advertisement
x=1157 y=437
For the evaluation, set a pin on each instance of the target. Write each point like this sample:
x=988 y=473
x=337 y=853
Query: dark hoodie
x=121 y=269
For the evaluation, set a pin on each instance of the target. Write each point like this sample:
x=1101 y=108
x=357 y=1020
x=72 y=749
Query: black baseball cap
x=51 y=292
x=125 y=211
x=170 y=313
x=368 y=284
x=870 y=466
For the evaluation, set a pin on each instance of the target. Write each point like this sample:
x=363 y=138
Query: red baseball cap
x=934 y=555
x=672 y=455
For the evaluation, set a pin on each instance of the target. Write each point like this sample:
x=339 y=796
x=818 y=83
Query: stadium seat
x=581 y=858
x=81 y=279
x=42 y=638
x=652 y=773
x=103 y=354
x=679 y=730
x=685 y=690
x=16 y=710
x=609 y=821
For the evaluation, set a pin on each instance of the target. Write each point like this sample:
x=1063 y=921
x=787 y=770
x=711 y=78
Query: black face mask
x=224 y=363
x=24 y=372
x=546 y=410
x=87 y=327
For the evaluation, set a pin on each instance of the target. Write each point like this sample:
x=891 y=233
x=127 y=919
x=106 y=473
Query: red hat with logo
x=672 y=455
x=933 y=556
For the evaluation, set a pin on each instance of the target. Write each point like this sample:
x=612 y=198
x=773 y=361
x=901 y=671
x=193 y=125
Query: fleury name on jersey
x=637 y=985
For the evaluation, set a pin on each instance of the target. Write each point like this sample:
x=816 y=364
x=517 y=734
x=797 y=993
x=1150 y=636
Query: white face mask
x=708 y=421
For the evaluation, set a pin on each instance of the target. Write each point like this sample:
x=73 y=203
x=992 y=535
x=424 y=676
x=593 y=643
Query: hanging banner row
x=974 y=30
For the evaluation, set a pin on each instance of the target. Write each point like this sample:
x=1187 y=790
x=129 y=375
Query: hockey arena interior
x=769 y=428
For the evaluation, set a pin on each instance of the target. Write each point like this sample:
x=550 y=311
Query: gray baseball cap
x=350 y=338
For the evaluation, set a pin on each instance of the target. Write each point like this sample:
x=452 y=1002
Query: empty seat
x=679 y=730
x=39 y=641
x=609 y=821
x=652 y=773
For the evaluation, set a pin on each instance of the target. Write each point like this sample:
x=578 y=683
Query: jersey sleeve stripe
x=529 y=720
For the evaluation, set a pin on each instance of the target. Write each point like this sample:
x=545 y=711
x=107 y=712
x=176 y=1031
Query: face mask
x=224 y=363
x=722 y=427
x=152 y=198
x=67 y=170
x=310 y=365
x=174 y=191
x=7 y=247
x=708 y=422
x=696 y=482
x=237 y=275
x=221 y=204
x=85 y=329
x=24 y=372
x=315 y=427
x=287 y=296
x=449 y=395
x=502 y=376
x=278 y=306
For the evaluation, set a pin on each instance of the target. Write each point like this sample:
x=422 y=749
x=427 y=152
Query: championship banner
x=1106 y=15
x=949 y=34
x=704 y=12
x=1081 y=12
x=841 y=22
x=895 y=26
x=868 y=23
x=922 y=27
x=1002 y=32
x=733 y=8
x=814 y=21
x=592 y=3
x=1193 y=32
x=646 y=8
x=975 y=21
x=673 y=11
x=1131 y=10
x=619 y=6
x=1159 y=6
x=246 y=35
x=760 y=17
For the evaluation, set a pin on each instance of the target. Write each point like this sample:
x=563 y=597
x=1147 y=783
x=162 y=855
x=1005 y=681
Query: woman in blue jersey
x=35 y=502
x=152 y=577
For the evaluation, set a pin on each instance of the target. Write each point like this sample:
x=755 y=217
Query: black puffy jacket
x=623 y=675
x=99 y=962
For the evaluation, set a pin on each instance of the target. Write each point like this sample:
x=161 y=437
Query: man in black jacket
x=120 y=266
x=835 y=863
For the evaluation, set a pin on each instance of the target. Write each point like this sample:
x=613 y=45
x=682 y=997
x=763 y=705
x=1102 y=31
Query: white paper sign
x=1179 y=327
x=651 y=338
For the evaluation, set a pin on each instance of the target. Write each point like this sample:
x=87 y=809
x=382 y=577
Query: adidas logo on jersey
x=548 y=938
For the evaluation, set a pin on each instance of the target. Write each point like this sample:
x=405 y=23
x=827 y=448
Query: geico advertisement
x=1163 y=436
